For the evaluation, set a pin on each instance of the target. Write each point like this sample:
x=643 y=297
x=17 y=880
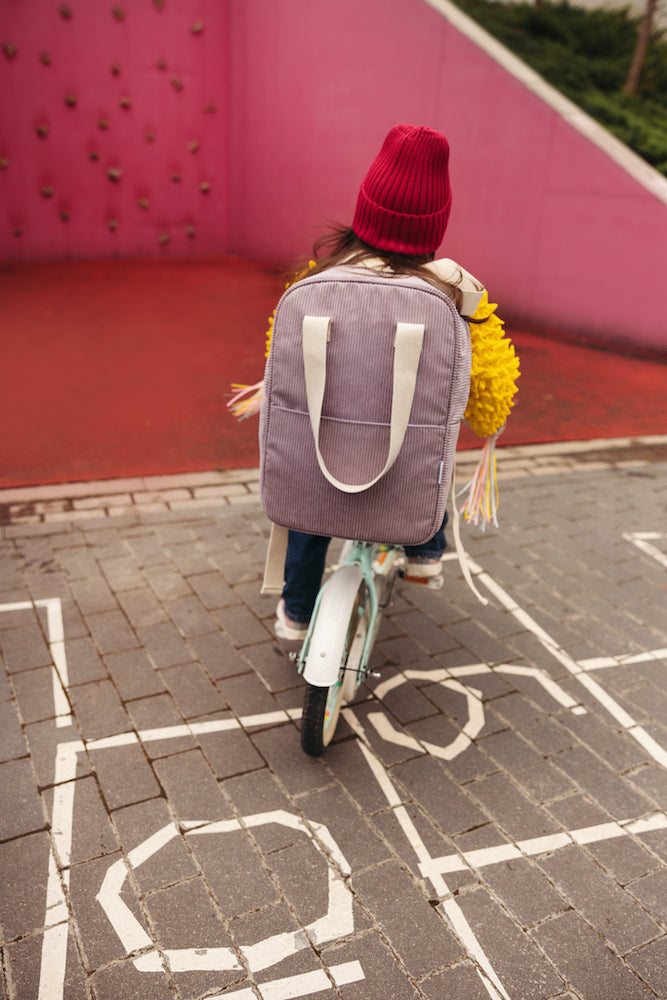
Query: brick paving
x=491 y=820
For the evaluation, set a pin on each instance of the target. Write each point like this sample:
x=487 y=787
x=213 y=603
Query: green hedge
x=586 y=54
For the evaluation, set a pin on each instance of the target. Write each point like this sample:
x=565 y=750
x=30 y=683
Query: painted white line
x=640 y=539
x=56 y=641
x=543 y=845
x=599 y=662
x=336 y=923
x=448 y=906
x=306 y=984
x=617 y=712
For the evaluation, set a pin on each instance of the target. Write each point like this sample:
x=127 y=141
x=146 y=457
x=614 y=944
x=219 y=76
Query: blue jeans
x=305 y=561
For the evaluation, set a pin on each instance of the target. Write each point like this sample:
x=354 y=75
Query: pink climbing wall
x=177 y=127
x=563 y=237
x=113 y=132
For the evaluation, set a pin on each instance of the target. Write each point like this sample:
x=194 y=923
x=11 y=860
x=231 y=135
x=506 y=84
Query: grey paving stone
x=24 y=963
x=24 y=648
x=651 y=780
x=146 y=549
x=260 y=787
x=133 y=674
x=405 y=702
x=463 y=982
x=142 y=607
x=98 y=710
x=548 y=735
x=173 y=863
x=111 y=632
x=122 y=573
x=124 y=775
x=190 y=616
x=588 y=965
x=281 y=749
x=77 y=562
x=212 y=590
x=99 y=941
x=513 y=810
x=624 y=858
x=528 y=895
x=24 y=866
x=84 y=663
x=45 y=743
x=193 y=691
x=241 y=626
x=246 y=695
x=425 y=632
x=273 y=665
x=355 y=837
x=189 y=559
x=122 y=980
x=520 y=965
x=12 y=741
x=347 y=764
x=234 y=871
x=651 y=964
x=229 y=753
x=20 y=803
x=651 y=891
x=167 y=582
x=613 y=793
x=183 y=916
x=599 y=900
x=382 y=976
x=449 y=807
x=93 y=595
x=158 y=716
x=191 y=788
x=540 y=779
x=256 y=926
x=217 y=655
x=481 y=644
x=92 y=834
x=403 y=916
x=164 y=645
x=391 y=826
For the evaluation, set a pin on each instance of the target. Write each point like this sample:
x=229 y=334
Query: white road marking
x=56 y=640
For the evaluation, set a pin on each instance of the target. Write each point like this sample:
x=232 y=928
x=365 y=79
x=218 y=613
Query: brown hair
x=341 y=245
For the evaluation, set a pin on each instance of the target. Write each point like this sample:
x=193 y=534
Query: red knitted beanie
x=405 y=198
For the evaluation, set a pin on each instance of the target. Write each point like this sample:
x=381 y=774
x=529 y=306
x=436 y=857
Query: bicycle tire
x=322 y=705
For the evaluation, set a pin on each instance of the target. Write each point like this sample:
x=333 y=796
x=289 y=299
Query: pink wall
x=304 y=92
x=561 y=234
x=147 y=211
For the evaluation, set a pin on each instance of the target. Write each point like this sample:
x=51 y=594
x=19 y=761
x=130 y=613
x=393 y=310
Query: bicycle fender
x=328 y=639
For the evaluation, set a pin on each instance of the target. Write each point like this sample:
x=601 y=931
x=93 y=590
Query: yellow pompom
x=297 y=277
x=495 y=369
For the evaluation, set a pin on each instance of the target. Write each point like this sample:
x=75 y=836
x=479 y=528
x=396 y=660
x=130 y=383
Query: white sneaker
x=423 y=570
x=286 y=629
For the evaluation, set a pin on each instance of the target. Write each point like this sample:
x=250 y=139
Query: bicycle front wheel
x=322 y=705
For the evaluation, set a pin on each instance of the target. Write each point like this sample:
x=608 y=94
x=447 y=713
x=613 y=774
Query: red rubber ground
x=122 y=368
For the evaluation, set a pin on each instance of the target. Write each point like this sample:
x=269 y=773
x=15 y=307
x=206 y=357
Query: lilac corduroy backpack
x=365 y=386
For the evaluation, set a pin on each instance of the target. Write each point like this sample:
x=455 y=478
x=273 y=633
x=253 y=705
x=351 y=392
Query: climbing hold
x=159 y=4
x=4 y=162
x=118 y=13
x=45 y=58
x=18 y=231
x=42 y=130
x=144 y=204
x=205 y=187
x=150 y=137
x=191 y=231
x=113 y=225
x=193 y=146
x=197 y=28
x=70 y=100
x=114 y=173
x=66 y=12
x=46 y=192
x=94 y=155
x=162 y=64
x=164 y=239
x=176 y=178
x=115 y=69
x=176 y=83
x=210 y=109
x=103 y=123
x=64 y=216
x=125 y=102
x=9 y=49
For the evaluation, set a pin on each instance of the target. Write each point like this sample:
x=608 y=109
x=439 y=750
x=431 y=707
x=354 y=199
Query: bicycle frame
x=321 y=666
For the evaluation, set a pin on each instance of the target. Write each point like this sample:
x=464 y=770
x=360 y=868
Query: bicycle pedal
x=432 y=582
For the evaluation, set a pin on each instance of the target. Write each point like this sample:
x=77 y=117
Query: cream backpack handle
x=407 y=352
